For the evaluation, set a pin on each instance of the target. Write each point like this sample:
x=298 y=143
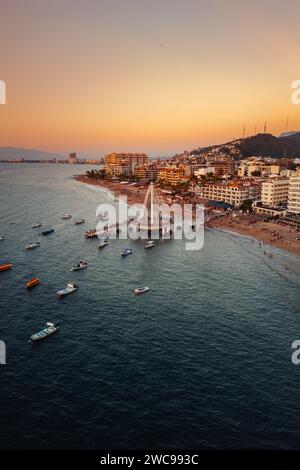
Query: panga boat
x=79 y=221
x=67 y=290
x=102 y=244
x=149 y=244
x=141 y=290
x=48 y=231
x=49 y=329
x=31 y=246
x=5 y=267
x=33 y=282
x=66 y=216
x=81 y=265
x=126 y=251
x=38 y=224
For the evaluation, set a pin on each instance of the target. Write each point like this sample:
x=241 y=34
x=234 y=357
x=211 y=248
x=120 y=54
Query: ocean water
x=201 y=361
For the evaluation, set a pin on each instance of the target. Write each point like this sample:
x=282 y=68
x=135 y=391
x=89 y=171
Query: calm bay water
x=201 y=361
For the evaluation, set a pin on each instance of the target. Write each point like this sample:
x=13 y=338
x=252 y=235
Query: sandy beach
x=268 y=233
x=134 y=195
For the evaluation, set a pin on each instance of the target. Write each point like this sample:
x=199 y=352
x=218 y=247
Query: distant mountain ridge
x=29 y=154
x=287 y=145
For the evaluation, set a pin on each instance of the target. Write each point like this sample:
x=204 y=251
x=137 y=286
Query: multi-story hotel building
x=72 y=159
x=224 y=165
x=173 y=175
x=248 y=168
x=124 y=163
x=294 y=194
x=146 y=172
x=274 y=191
x=234 y=193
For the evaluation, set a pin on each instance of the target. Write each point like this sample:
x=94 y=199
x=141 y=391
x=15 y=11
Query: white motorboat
x=67 y=290
x=49 y=329
x=141 y=290
x=149 y=244
x=31 y=246
x=126 y=251
x=102 y=244
x=81 y=265
x=37 y=225
x=2 y=238
x=66 y=216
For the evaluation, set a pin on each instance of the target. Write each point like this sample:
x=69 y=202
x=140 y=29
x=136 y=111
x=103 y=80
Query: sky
x=158 y=76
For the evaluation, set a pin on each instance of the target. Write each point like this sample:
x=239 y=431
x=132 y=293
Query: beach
x=268 y=233
x=134 y=195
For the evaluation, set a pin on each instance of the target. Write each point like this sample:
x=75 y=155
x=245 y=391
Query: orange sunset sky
x=159 y=76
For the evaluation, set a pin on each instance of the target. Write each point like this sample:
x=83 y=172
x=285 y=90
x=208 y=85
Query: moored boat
x=91 y=233
x=149 y=244
x=126 y=251
x=5 y=267
x=32 y=283
x=81 y=265
x=2 y=238
x=141 y=290
x=49 y=329
x=67 y=290
x=48 y=231
x=79 y=221
x=102 y=244
x=38 y=224
x=66 y=216
x=31 y=246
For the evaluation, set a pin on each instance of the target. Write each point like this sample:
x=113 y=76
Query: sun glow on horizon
x=153 y=76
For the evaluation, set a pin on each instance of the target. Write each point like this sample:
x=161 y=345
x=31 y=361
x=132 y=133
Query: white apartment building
x=247 y=168
x=294 y=194
x=204 y=171
x=275 y=191
x=232 y=193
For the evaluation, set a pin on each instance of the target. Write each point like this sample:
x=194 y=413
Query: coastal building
x=274 y=191
x=204 y=171
x=234 y=193
x=123 y=164
x=72 y=160
x=174 y=175
x=278 y=211
x=294 y=194
x=146 y=172
x=224 y=165
x=254 y=166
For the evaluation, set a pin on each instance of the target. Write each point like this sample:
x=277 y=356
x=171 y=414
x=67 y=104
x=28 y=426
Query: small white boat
x=141 y=290
x=126 y=251
x=149 y=244
x=102 y=244
x=81 y=265
x=66 y=216
x=37 y=225
x=2 y=238
x=49 y=329
x=79 y=221
x=67 y=290
x=31 y=246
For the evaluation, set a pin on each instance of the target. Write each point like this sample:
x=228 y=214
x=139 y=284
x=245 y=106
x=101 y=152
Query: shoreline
x=267 y=233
